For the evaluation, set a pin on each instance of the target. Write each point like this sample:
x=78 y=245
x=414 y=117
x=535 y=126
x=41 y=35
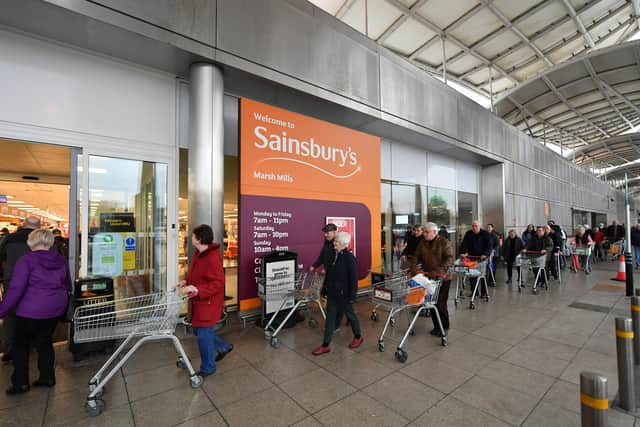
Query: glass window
x=441 y=209
x=128 y=223
x=467 y=213
x=406 y=210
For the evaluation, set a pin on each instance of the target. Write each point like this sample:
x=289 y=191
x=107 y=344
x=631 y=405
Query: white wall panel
x=385 y=159
x=467 y=177
x=52 y=86
x=442 y=171
x=408 y=164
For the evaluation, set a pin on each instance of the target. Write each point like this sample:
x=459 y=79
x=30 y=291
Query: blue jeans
x=637 y=251
x=209 y=345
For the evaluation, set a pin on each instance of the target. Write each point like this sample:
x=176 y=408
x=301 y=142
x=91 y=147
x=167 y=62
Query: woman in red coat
x=205 y=286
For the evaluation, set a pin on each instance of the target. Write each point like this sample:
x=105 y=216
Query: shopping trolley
x=466 y=268
x=306 y=290
x=391 y=281
x=398 y=297
x=581 y=257
x=531 y=260
x=151 y=317
x=617 y=249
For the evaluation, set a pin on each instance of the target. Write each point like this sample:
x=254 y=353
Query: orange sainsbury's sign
x=295 y=172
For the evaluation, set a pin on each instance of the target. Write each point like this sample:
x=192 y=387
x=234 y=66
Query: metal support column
x=206 y=148
x=628 y=257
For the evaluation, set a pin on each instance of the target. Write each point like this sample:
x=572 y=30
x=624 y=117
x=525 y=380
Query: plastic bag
x=422 y=287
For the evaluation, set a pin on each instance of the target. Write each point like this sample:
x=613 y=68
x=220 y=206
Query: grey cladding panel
x=412 y=95
x=287 y=39
x=195 y=19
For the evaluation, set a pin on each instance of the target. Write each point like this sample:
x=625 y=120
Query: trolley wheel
x=472 y=306
x=180 y=363
x=486 y=298
x=93 y=386
x=535 y=291
x=455 y=301
x=444 y=341
x=412 y=332
x=196 y=381
x=374 y=316
x=313 y=323
x=401 y=355
x=267 y=335
x=94 y=407
x=275 y=343
x=393 y=322
x=381 y=346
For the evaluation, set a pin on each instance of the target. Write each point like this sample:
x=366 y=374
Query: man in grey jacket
x=12 y=248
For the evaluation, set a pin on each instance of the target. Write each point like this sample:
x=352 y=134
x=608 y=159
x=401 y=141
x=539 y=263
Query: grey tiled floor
x=513 y=361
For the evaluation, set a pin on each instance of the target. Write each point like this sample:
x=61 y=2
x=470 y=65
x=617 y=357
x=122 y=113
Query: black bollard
x=628 y=269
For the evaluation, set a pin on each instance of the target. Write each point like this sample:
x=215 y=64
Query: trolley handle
x=526 y=252
x=474 y=257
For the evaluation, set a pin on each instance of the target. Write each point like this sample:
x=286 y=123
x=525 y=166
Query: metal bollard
x=594 y=404
x=635 y=317
x=624 y=350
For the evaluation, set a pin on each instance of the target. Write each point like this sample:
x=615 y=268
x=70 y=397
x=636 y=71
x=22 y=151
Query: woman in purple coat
x=39 y=292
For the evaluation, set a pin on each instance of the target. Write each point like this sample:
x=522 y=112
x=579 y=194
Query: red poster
x=348 y=225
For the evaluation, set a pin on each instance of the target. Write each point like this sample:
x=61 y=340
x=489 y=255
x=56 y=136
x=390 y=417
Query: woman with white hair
x=39 y=292
x=341 y=289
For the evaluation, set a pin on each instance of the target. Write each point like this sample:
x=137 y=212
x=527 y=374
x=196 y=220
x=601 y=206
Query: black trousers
x=510 y=269
x=36 y=332
x=441 y=306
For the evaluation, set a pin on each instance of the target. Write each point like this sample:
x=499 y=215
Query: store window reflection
x=441 y=209
x=467 y=213
x=127 y=224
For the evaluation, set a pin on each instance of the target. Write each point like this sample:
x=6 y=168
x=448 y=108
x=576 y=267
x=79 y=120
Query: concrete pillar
x=206 y=148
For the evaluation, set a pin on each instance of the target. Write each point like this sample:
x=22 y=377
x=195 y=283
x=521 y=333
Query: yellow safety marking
x=594 y=403
x=623 y=334
x=635 y=307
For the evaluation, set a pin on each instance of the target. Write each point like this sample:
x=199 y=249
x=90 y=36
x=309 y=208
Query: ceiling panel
x=408 y=37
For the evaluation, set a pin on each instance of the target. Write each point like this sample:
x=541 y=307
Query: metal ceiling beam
x=524 y=110
x=549 y=50
x=431 y=26
x=579 y=23
x=508 y=24
x=555 y=90
x=636 y=11
x=455 y=24
x=398 y=22
x=532 y=38
x=603 y=89
x=342 y=10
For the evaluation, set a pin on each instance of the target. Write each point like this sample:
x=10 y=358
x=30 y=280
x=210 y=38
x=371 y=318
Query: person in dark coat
x=557 y=243
x=476 y=243
x=39 y=294
x=542 y=244
x=12 y=248
x=444 y=232
x=528 y=233
x=341 y=290
x=512 y=247
x=326 y=257
x=409 y=251
x=205 y=286
x=615 y=232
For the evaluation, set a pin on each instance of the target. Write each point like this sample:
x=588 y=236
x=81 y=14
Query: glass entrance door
x=126 y=223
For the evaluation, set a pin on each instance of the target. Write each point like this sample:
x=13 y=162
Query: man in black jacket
x=12 y=248
x=476 y=243
x=413 y=240
x=326 y=257
x=557 y=241
x=542 y=244
x=615 y=232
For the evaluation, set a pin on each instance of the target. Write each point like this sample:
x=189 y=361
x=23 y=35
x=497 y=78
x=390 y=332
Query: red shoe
x=356 y=342
x=321 y=350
